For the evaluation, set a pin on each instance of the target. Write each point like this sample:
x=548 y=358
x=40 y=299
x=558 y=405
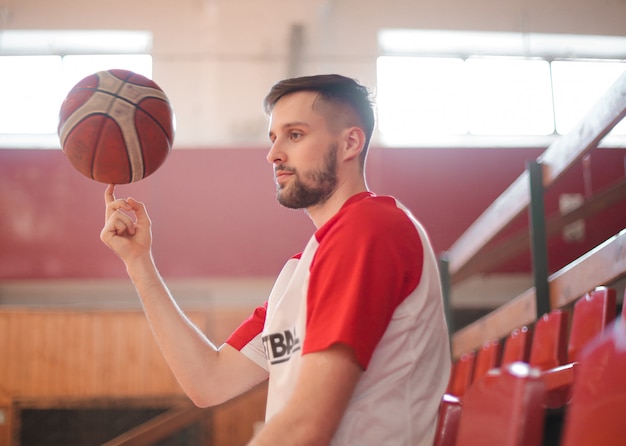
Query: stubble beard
x=319 y=186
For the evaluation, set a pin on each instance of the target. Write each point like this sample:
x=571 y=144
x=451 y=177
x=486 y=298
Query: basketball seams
x=154 y=118
x=148 y=92
x=126 y=98
x=132 y=94
x=100 y=103
x=123 y=114
x=94 y=105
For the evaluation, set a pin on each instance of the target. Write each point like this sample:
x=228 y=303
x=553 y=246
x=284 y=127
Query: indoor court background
x=72 y=337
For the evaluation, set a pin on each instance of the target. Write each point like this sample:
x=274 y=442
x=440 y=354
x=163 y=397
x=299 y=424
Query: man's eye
x=295 y=135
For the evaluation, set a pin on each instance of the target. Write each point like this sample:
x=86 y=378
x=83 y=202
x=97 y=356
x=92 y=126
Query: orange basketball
x=116 y=126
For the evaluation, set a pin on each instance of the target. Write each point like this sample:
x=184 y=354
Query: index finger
x=109 y=193
x=112 y=204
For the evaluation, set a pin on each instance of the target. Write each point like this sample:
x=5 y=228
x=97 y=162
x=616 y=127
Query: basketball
x=116 y=126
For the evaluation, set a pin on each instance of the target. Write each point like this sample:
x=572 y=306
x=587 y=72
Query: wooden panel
x=601 y=266
x=90 y=354
x=235 y=420
x=82 y=358
x=221 y=323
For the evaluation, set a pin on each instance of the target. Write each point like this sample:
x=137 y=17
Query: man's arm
x=325 y=384
x=207 y=374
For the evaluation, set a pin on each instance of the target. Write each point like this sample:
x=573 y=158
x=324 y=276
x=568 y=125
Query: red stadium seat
x=462 y=374
x=549 y=346
x=504 y=408
x=596 y=412
x=487 y=358
x=448 y=423
x=548 y=353
x=592 y=313
x=558 y=383
x=517 y=346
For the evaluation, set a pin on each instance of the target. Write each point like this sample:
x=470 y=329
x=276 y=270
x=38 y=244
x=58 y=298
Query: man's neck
x=323 y=212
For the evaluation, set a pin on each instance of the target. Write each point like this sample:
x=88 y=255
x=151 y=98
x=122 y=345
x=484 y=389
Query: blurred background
x=467 y=92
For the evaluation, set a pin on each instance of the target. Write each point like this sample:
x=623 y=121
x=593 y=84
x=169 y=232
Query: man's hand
x=127 y=227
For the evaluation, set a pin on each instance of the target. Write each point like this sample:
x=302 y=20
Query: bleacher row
x=511 y=391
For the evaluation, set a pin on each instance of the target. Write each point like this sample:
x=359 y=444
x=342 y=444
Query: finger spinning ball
x=116 y=126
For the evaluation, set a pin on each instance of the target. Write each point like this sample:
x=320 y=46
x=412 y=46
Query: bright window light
x=76 y=68
x=42 y=42
x=45 y=65
x=421 y=95
x=509 y=97
x=453 y=88
x=30 y=98
x=578 y=85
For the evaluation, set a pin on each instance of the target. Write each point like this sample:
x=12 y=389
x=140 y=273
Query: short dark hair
x=332 y=89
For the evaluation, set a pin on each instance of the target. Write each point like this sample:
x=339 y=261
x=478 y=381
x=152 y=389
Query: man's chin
x=286 y=203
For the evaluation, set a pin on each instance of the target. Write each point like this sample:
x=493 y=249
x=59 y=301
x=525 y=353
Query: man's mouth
x=282 y=174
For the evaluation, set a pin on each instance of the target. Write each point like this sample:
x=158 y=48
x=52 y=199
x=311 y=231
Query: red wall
x=214 y=212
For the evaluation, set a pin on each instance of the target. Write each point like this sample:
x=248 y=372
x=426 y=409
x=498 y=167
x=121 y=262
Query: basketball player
x=352 y=337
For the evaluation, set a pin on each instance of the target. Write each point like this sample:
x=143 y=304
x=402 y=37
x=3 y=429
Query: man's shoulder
x=371 y=216
x=376 y=209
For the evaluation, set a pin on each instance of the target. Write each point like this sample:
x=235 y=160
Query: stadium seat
x=487 y=358
x=558 y=381
x=504 y=408
x=462 y=374
x=596 y=412
x=548 y=353
x=517 y=346
x=448 y=423
x=549 y=345
x=592 y=313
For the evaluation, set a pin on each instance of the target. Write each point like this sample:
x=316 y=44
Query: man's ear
x=354 y=139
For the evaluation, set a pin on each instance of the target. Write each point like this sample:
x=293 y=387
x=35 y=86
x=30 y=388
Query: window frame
x=467 y=45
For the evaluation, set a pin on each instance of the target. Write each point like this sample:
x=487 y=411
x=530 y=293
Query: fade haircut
x=349 y=101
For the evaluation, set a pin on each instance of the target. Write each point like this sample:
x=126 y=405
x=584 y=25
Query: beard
x=313 y=187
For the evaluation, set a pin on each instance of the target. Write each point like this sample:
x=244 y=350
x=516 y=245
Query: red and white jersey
x=369 y=279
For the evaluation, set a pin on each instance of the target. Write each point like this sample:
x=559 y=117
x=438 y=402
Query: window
x=29 y=87
x=38 y=68
x=577 y=86
x=421 y=95
x=456 y=88
x=509 y=96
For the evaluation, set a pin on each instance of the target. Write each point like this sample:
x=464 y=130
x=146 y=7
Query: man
x=352 y=337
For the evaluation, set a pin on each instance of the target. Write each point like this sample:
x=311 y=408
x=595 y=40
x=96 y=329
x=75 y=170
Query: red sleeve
x=368 y=262
x=248 y=329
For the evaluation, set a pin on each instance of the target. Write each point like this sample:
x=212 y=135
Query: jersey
x=369 y=279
